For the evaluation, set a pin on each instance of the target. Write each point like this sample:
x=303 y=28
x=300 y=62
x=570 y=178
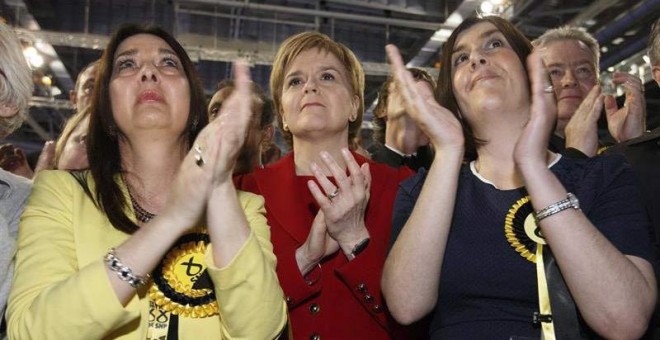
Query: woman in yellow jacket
x=153 y=241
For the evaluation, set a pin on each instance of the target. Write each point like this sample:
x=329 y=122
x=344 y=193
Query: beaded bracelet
x=123 y=271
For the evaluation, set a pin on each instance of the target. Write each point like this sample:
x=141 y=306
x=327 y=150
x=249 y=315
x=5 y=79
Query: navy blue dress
x=488 y=290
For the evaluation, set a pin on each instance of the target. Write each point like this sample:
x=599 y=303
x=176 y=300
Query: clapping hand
x=212 y=157
x=629 y=121
x=439 y=124
x=531 y=151
x=581 y=132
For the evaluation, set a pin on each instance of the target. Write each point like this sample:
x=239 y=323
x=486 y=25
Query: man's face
x=573 y=72
x=82 y=96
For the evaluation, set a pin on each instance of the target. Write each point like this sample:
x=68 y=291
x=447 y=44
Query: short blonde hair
x=296 y=44
x=570 y=33
x=16 y=87
x=68 y=129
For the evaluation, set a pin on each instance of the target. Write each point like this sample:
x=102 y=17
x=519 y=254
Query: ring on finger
x=333 y=194
x=548 y=89
x=199 y=158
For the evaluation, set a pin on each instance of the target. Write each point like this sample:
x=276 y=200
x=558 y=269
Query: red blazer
x=344 y=301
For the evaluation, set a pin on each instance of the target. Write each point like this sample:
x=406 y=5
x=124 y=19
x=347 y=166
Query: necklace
x=140 y=213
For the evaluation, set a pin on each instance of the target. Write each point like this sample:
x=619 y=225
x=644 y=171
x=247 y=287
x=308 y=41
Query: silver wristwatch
x=570 y=202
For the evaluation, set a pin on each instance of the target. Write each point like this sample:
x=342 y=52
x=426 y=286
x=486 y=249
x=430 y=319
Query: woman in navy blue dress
x=472 y=239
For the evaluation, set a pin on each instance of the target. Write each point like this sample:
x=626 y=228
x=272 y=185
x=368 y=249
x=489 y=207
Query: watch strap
x=359 y=248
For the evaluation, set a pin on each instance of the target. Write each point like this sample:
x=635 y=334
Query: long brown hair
x=445 y=91
x=103 y=138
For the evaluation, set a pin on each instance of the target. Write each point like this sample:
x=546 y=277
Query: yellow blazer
x=62 y=291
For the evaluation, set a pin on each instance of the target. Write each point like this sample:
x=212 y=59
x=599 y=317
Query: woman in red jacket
x=329 y=209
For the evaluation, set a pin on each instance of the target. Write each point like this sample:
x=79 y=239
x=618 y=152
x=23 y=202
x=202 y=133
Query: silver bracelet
x=570 y=202
x=123 y=271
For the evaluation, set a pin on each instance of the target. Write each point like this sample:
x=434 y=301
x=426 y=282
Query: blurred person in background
x=15 y=92
x=399 y=141
x=65 y=153
x=260 y=132
x=573 y=60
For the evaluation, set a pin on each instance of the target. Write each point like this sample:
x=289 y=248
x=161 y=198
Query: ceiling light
x=46 y=81
x=40 y=45
x=487 y=7
x=33 y=57
x=647 y=59
x=497 y=2
x=37 y=61
x=604 y=49
x=30 y=51
x=633 y=69
x=610 y=69
x=441 y=35
x=617 y=41
x=590 y=22
x=454 y=19
x=55 y=91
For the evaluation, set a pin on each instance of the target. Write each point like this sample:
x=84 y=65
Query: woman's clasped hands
x=339 y=224
x=209 y=163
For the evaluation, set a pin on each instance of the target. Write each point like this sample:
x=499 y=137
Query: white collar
x=473 y=168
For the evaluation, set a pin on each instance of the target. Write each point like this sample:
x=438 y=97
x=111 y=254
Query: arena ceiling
x=71 y=33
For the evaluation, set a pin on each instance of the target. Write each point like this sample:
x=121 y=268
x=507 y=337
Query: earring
x=285 y=127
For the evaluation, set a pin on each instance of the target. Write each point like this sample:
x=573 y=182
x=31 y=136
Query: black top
x=643 y=154
x=382 y=154
x=488 y=290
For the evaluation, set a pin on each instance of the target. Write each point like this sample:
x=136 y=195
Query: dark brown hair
x=380 y=111
x=445 y=91
x=103 y=138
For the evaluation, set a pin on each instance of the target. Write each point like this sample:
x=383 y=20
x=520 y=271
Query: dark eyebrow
x=134 y=51
x=482 y=35
x=167 y=51
x=323 y=68
x=294 y=74
x=329 y=68
x=130 y=52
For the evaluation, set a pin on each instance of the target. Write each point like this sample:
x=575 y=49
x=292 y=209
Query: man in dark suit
x=572 y=58
x=626 y=125
x=643 y=153
x=398 y=139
